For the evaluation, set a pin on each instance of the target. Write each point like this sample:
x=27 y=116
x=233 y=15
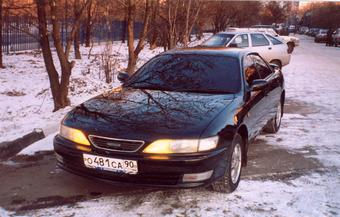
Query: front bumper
x=151 y=172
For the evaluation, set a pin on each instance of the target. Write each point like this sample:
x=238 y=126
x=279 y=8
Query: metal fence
x=21 y=33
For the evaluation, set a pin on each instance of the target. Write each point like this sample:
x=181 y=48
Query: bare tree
x=76 y=11
x=134 y=52
x=1 y=21
x=172 y=22
x=154 y=30
x=192 y=12
x=89 y=25
x=59 y=89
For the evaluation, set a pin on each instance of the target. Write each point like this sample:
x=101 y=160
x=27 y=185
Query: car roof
x=219 y=51
x=242 y=31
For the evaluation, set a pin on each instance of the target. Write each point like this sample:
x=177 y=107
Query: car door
x=279 y=50
x=273 y=89
x=261 y=45
x=254 y=100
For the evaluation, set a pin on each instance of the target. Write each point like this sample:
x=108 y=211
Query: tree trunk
x=153 y=22
x=144 y=33
x=59 y=90
x=88 y=31
x=186 y=28
x=76 y=8
x=47 y=55
x=1 y=20
x=123 y=33
x=131 y=10
x=133 y=53
x=172 y=31
x=66 y=66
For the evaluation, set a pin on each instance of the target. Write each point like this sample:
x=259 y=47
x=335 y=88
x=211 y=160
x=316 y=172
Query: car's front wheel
x=274 y=124
x=232 y=174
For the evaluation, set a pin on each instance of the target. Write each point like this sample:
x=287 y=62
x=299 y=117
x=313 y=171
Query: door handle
x=269 y=48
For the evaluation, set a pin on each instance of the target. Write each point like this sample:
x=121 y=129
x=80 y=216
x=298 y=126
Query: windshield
x=218 y=40
x=189 y=73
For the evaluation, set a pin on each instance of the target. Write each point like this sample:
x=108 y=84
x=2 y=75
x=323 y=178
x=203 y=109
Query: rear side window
x=241 y=41
x=273 y=40
x=259 y=40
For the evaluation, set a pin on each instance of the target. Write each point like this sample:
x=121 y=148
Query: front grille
x=114 y=144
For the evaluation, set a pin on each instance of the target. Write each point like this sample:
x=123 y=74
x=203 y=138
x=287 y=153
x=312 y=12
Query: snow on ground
x=25 y=98
x=301 y=197
x=311 y=126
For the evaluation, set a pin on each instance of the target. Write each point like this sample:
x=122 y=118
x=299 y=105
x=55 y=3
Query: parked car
x=265 y=27
x=292 y=29
x=272 y=49
x=291 y=41
x=313 y=31
x=336 y=37
x=321 y=37
x=303 y=30
x=184 y=119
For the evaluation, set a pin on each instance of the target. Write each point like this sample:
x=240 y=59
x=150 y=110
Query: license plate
x=110 y=164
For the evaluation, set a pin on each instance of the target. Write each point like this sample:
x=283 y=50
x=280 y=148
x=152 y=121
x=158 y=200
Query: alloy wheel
x=236 y=163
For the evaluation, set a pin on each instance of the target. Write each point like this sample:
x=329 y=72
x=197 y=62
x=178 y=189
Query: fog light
x=195 y=177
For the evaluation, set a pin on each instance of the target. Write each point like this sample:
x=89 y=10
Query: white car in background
x=269 y=47
x=291 y=41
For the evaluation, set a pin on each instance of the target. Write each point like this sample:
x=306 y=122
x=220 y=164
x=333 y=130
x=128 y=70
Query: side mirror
x=258 y=84
x=123 y=76
x=274 y=66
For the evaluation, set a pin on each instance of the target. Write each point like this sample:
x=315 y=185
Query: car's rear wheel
x=274 y=124
x=232 y=174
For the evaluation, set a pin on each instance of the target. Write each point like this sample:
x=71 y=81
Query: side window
x=274 y=40
x=259 y=40
x=250 y=72
x=261 y=67
x=241 y=41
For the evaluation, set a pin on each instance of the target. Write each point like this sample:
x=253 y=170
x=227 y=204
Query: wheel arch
x=277 y=61
x=243 y=132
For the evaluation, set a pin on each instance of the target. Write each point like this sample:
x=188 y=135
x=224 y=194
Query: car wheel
x=274 y=124
x=232 y=174
x=290 y=47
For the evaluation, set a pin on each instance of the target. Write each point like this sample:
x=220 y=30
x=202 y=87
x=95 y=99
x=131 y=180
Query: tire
x=232 y=175
x=277 y=62
x=274 y=124
x=290 y=47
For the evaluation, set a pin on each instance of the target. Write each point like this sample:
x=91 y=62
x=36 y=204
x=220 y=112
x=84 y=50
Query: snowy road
x=293 y=173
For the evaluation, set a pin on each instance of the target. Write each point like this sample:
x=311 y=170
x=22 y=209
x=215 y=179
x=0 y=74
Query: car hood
x=148 y=114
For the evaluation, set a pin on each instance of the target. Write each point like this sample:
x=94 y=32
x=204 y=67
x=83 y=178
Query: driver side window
x=250 y=71
x=263 y=70
x=241 y=41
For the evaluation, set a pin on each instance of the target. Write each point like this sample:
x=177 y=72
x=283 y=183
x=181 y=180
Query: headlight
x=168 y=146
x=74 y=135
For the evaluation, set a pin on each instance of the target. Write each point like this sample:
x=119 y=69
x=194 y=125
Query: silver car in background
x=272 y=49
